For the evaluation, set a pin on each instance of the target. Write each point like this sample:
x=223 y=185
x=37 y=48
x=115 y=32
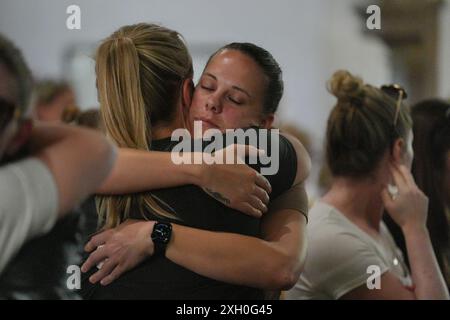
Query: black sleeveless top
x=160 y=278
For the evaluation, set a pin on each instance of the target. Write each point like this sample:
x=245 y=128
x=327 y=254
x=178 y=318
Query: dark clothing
x=39 y=271
x=90 y=219
x=160 y=278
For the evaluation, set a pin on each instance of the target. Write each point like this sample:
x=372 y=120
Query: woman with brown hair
x=431 y=171
x=352 y=255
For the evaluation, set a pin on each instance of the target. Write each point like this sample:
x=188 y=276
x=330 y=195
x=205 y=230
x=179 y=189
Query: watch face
x=161 y=232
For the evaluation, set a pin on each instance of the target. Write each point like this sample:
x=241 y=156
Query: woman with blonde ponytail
x=200 y=248
x=141 y=70
x=133 y=84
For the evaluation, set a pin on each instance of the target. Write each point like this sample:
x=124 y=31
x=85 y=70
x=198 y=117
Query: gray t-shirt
x=341 y=256
x=28 y=205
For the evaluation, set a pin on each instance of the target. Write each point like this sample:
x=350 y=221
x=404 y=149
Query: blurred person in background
x=40 y=182
x=431 y=171
x=52 y=98
x=89 y=118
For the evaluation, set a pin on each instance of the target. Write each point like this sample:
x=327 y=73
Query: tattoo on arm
x=217 y=196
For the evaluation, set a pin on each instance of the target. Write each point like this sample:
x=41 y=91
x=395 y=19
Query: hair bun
x=345 y=86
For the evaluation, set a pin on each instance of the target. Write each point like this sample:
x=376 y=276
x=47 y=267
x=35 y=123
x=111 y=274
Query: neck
x=164 y=130
x=161 y=132
x=359 y=200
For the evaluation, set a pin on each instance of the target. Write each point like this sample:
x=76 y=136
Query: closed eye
x=234 y=101
x=207 y=88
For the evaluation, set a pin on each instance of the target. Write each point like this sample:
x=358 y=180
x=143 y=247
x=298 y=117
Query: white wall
x=444 y=52
x=310 y=39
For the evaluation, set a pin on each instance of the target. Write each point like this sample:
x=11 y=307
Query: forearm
x=137 y=171
x=427 y=277
x=235 y=258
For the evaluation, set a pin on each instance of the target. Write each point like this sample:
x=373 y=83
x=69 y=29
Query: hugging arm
x=71 y=153
x=46 y=185
x=271 y=263
x=237 y=185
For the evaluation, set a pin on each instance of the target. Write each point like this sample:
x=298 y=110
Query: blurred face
x=8 y=92
x=53 y=111
x=230 y=93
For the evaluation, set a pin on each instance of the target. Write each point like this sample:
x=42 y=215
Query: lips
x=207 y=123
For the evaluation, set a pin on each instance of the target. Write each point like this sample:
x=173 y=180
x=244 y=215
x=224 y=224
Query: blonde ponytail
x=140 y=69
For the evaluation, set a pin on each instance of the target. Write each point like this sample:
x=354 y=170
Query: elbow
x=285 y=276
x=283 y=281
x=288 y=278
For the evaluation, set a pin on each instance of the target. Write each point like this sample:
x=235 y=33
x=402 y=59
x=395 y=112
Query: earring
x=393 y=191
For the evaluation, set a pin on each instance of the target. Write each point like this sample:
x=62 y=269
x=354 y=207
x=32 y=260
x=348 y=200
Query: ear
x=187 y=92
x=398 y=150
x=267 y=121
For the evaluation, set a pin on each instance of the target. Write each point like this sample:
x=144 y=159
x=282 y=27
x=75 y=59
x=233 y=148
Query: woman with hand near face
x=352 y=255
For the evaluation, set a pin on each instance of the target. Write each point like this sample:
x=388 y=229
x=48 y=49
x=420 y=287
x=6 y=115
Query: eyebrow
x=234 y=87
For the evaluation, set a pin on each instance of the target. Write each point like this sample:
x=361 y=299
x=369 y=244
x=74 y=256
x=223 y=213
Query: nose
x=213 y=104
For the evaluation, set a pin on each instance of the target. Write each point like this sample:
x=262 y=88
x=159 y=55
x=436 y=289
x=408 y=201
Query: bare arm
x=236 y=185
x=268 y=264
x=409 y=211
x=137 y=171
x=278 y=257
x=428 y=279
x=79 y=159
x=273 y=263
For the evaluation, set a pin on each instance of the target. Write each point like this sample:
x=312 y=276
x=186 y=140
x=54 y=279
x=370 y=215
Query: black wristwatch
x=161 y=234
